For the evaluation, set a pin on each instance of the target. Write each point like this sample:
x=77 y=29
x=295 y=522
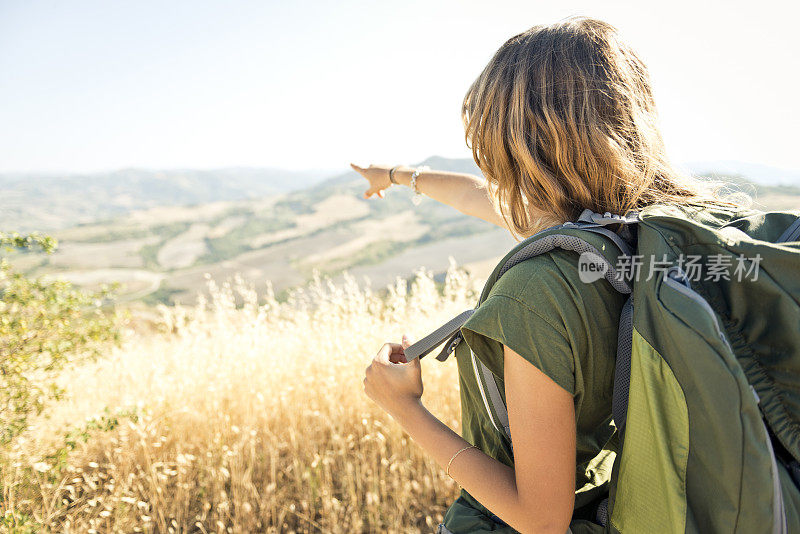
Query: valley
x=166 y=254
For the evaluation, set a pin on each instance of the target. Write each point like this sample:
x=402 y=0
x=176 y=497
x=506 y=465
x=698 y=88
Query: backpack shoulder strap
x=568 y=236
x=579 y=236
x=792 y=233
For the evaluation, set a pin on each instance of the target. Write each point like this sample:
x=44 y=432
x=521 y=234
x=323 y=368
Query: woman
x=560 y=120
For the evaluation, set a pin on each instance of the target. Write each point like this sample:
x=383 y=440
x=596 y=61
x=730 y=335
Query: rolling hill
x=49 y=202
x=163 y=252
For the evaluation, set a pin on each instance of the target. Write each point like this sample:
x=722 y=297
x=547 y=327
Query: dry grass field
x=218 y=418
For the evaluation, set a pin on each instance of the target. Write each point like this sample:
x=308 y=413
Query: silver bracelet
x=417 y=198
x=391 y=174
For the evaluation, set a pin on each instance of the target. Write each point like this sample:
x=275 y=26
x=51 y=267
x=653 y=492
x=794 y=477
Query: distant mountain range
x=159 y=233
x=748 y=172
x=50 y=202
x=47 y=201
x=751 y=172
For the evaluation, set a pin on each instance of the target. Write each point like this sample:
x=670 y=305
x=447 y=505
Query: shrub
x=44 y=326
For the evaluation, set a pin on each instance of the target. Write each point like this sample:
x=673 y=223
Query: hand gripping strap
x=435 y=338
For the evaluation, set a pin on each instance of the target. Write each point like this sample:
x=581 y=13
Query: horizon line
x=308 y=170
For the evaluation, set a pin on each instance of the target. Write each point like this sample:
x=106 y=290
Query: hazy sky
x=94 y=85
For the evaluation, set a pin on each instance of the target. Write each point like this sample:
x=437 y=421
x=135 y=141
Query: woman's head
x=563 y=119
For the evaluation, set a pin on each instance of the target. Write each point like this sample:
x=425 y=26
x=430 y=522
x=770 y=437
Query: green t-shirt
x=568 y=329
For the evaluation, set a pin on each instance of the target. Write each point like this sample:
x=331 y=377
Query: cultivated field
x=282 y=238
x=243 y=420
x=162 y=253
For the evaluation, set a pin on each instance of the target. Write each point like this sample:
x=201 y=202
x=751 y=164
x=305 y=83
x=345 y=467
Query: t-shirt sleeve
x=509 y=316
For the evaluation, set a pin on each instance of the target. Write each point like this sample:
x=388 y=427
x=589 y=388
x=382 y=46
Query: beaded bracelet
x=417 y=198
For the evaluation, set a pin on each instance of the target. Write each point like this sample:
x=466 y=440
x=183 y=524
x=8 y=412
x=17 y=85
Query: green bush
x=44 y=326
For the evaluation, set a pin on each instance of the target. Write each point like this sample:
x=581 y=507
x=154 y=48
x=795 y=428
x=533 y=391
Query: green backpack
x=706 y=394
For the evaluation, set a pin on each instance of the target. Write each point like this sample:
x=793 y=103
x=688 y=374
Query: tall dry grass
x=248 y=418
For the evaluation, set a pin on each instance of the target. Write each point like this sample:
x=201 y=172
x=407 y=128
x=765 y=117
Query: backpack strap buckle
x=607 y=218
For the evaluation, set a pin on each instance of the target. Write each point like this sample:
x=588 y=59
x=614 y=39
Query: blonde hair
x=563 y=119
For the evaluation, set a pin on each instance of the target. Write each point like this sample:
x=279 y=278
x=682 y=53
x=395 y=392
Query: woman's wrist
x=408 y=411
x=402 y=175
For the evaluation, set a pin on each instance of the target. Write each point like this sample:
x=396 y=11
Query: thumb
x=406 y=342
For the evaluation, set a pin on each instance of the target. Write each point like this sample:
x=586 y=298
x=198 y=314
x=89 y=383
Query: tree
x=44 y=326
